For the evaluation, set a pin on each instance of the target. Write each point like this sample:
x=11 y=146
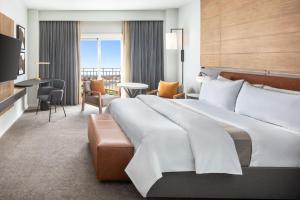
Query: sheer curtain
x=59 y=45
x=126 y=68
x=143 y=52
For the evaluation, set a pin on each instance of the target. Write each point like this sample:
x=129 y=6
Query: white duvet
x=175 y=136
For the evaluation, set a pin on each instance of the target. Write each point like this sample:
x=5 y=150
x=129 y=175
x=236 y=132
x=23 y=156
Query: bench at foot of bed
x=111 y=150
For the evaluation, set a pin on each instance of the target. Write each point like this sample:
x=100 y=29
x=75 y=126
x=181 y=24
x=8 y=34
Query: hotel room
x=161 y=99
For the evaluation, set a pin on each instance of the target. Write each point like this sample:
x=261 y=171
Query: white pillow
x=221 y=78
x=226 y=79
x=273 y=107
x=221 y=93
x=281 y=90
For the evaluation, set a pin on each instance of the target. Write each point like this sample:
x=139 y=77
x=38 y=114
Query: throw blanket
x=168 y=137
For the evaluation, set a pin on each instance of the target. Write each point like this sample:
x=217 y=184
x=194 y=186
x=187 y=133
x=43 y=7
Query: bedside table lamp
x=201 y=78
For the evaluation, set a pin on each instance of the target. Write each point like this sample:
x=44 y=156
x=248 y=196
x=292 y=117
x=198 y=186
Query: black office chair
x=56 y=98
x=42 y=95
x=51 y=94
x=58 y=84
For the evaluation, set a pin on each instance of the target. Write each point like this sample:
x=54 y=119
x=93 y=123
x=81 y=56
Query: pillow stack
x=272 y=105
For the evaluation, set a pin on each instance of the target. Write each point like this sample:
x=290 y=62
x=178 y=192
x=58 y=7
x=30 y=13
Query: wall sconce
x=202 y=77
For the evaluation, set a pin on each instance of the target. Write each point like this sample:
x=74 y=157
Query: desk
x=31 y=82
x=9 y=101
x=133 y=89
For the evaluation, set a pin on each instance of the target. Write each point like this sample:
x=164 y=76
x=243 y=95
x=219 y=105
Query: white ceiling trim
x=105 y=4
x=68 y=15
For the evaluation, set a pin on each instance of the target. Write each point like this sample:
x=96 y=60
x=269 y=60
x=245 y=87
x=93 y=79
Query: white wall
x=90 y=27
x=17 y=11
x=189 y=19
x=33 y=54
x=33 y=40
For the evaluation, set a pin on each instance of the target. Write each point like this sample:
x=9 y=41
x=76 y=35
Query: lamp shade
x=171 y=41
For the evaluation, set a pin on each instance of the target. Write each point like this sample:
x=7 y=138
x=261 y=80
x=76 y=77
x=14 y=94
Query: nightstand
x=192 y=96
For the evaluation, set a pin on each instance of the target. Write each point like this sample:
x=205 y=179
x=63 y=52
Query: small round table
x=133 y=89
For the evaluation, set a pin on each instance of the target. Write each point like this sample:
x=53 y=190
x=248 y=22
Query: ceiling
x=105 y=4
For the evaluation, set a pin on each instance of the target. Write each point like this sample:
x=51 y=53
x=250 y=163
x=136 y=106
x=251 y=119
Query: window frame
x=101 y=37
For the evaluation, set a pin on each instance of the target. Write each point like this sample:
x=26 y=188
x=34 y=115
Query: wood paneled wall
x=6 y=28
x=251 y=34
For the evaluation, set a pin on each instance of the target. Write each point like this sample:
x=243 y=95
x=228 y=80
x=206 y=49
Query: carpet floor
x=41 y=160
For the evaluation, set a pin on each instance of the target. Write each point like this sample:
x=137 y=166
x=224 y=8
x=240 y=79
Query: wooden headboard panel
x=251 y=34
x=273 y=81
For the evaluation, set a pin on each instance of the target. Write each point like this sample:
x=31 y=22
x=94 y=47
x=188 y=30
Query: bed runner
x=242 y=142
x=241 y=138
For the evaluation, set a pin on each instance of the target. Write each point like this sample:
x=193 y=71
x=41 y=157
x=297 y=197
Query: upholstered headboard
x=273 y=81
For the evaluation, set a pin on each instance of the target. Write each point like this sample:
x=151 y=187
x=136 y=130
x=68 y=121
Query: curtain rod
x=249 y=70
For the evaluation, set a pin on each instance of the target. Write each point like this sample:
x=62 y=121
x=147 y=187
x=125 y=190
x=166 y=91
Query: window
x=110 y=53
x=89 y=53
x=101 y=57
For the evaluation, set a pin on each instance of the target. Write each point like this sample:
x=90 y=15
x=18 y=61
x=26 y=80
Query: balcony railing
x=111 y=76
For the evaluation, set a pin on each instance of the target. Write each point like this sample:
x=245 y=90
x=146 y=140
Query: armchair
x=179 y=95
x=96 y=98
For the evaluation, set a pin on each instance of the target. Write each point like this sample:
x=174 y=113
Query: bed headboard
x=273 y=81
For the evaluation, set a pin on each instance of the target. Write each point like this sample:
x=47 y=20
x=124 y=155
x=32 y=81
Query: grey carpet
x=41 y=160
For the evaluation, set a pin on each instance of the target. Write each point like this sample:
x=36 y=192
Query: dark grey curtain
x=59 y=45
x=147 y=48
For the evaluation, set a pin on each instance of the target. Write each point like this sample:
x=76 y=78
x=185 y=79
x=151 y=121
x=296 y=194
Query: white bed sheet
x=272 y=146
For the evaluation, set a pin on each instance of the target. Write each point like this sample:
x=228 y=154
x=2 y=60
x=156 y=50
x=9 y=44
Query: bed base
x=255 y=183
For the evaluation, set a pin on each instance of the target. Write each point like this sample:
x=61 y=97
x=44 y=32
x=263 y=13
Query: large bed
x=193 y=149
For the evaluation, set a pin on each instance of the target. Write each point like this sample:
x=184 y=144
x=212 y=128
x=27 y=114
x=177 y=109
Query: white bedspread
x=168 y=137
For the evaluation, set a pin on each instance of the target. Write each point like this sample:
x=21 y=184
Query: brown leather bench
x=111 y=149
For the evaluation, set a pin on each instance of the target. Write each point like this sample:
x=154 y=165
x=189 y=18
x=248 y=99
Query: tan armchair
x=97 y=99
x=179 y=95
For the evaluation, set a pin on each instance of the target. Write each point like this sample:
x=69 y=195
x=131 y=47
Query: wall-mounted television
x=9 y=57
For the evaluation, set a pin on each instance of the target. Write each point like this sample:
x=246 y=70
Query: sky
x=110 y=53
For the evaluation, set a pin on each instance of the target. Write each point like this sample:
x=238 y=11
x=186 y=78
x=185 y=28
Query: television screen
x=9 y=57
